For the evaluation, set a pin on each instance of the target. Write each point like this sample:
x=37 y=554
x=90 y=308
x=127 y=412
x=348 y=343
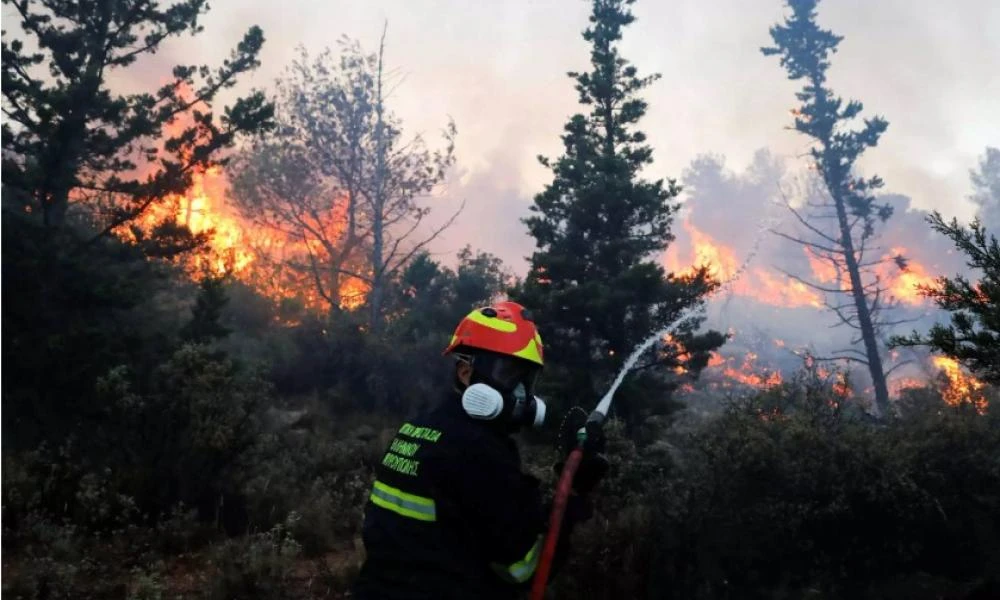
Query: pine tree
x=206 y=314
x=594 y=284
x=973 y=336
x=858 y=297
x=71 y=140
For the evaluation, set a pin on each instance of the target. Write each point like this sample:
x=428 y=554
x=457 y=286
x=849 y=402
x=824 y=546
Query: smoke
x=770 y=315
x=986 y=189
x=490 y=221
x=719 y=198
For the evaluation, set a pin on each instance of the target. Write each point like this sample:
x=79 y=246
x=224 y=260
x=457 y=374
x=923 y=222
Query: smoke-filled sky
x=498 y=68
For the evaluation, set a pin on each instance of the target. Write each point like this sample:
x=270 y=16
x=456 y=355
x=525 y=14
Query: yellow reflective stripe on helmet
x=477 y=316
x=403 y=504
x=530 y=352
x=523 y=569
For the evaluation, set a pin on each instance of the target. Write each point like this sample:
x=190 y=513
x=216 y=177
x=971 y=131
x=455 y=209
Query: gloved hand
x=592 y=469
x=575 y=419
x=593 y=466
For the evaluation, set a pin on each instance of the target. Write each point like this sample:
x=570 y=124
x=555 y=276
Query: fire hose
x=563 y=489
x=596 y=418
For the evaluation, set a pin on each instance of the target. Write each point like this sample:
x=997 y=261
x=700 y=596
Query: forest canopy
x=222 y=295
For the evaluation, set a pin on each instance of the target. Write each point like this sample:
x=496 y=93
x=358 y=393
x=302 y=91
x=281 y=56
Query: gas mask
x=486 y=403
x=501 y=390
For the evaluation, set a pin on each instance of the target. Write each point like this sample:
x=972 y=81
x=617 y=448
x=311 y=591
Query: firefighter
x=450 y=513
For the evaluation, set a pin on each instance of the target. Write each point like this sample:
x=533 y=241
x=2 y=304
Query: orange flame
x=904 y=283
x=746 y=373
x=721 y=260
x=202 y=211
x=236 y=246
x=901 y=283
x=841 y=387
x=722 y=264
x=961 y=388
x=898 y=386
x=822 y=269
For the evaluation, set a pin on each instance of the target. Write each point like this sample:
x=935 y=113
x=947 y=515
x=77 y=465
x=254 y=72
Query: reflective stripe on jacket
x=450 y=514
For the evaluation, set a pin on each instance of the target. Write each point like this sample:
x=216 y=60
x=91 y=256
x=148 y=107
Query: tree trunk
x=54 y=208
x=864 y=313
x=72 y=131
x=63 y=159
x=334 y=289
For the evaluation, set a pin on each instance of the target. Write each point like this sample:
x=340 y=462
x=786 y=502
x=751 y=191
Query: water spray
x=604 y=406
x=600 y=414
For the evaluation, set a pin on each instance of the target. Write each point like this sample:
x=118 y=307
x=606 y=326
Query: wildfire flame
x=743 y=371
x=748 y=374
x=758 y=283
x=841 y=387
x=236 y=247
x=253 y=254
x=901 y=384
x=904 y=284
x=777 y=290
x=961 y=388
x=822 y=270
x=202 y=211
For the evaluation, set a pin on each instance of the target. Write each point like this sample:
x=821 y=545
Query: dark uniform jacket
x=451 y=515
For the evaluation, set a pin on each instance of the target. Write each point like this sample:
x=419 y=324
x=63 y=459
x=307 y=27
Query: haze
x=932 y=68
x=246 y=378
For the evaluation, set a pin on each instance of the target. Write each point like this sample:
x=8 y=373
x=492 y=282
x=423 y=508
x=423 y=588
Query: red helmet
x=504 y=328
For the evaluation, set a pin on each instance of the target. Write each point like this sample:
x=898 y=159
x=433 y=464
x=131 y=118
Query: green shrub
x=256 y=566
x=324 y=474
x=797 y=494
x=147 y=584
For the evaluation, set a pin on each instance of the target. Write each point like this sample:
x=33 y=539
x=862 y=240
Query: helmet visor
x=507 y=372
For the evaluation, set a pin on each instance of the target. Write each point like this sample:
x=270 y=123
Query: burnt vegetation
x=179 y=422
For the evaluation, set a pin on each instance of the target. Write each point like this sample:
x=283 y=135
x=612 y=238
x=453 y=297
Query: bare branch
x=898 y=322
x=812 y=228
x=845 y=306
x=850 y=350
x=429 y=239
x=318 y=280
x=813 y=285
x=898 y=365
x=803 y=242
x=845 y=319
x=152 y=42
x=874 y=263
x=836 y=358
x=876 y=301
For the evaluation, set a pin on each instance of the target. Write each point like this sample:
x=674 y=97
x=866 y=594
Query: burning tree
x=70 y=140
x=838 y=227
x=973 y=336
x=301 y=218
x=595 y=278
x=340 y=177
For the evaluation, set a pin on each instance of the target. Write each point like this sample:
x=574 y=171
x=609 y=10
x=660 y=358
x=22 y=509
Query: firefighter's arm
x=503 y=508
